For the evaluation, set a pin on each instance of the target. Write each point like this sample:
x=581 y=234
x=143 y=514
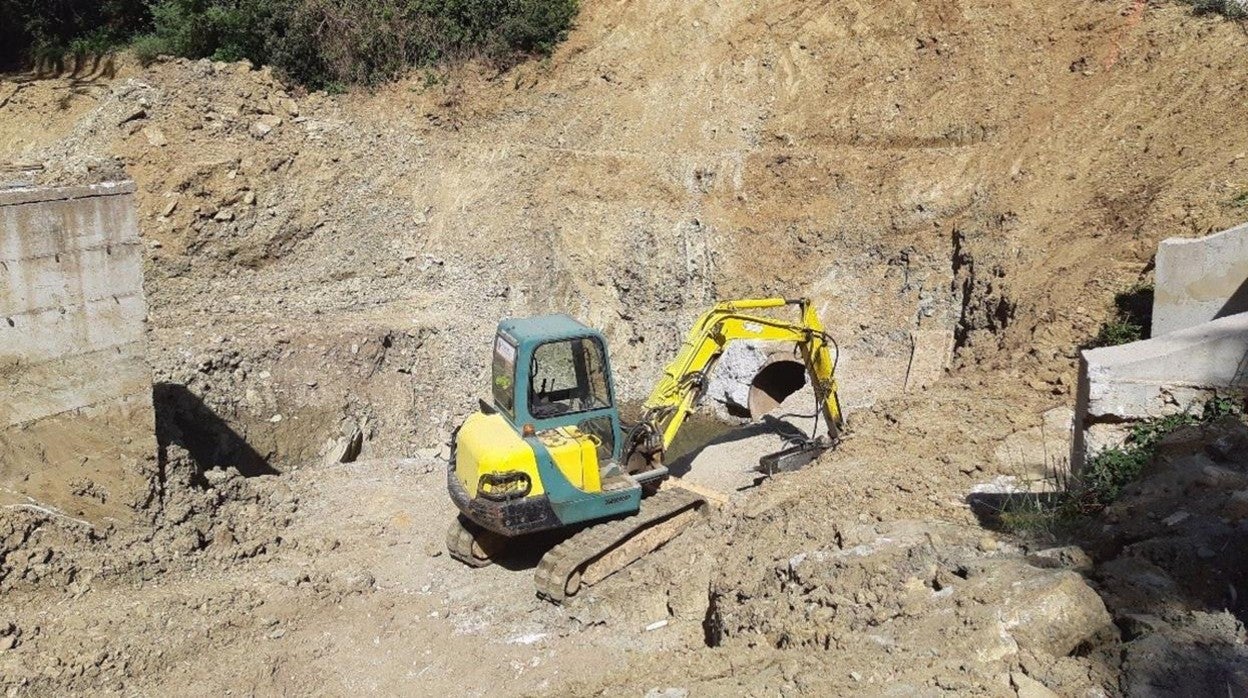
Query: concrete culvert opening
x=775 y=382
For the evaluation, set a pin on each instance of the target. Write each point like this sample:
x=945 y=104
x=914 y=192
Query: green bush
x=48 y=30
x=1105 y=474
x=1103 y=477
x=320 y=43
x=225 y=30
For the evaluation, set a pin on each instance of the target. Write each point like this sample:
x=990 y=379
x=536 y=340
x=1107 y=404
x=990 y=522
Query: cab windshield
x=568 y=376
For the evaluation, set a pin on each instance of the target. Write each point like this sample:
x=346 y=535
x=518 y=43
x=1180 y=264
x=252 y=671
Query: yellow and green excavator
x=549 y=451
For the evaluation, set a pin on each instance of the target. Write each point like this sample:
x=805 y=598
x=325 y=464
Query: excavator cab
x=563 y=379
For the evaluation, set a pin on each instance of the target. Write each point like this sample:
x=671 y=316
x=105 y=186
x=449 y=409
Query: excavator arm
x=684 y=379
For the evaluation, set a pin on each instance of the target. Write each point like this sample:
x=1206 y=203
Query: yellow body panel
x=575 y=455
x=487 y=443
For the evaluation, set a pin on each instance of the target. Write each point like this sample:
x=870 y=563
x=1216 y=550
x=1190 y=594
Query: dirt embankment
x=963 y=183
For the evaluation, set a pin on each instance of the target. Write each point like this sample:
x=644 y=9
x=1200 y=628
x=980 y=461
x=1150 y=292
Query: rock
x=217 y=477
x=436 y=453
x=1236 y=507
x=1231 y=442
x=249 y=198
x=133 y=114
x=1136 y=583
x=1028 y=687
x=265 y=125
x=1137 y=625
x=1206 y=657
x=155 y=136
x=667 y=693
x=1176 y=518
x=352 y=581
x=1070 y=557
x=345 y=449
x=277 y=634
x=1054 y=612
x=1041 y=451
x=169 y=209
x=1217 y=477
x=930 y=351
x=224 y=215
x=729 y=383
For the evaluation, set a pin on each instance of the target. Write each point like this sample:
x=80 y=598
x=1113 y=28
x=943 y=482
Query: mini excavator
x=551 y=452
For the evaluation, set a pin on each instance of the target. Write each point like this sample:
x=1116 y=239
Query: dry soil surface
x=961 y=187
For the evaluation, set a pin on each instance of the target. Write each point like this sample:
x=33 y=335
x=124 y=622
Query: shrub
x=319 y=43
x=218 y=29
x=1231 y=9
x=1105 y=474
x=1133 y=316
x=47 y=30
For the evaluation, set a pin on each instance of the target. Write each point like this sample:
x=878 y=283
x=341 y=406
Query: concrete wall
x=76 y=420
x=1200 y=279
x=1164 y=375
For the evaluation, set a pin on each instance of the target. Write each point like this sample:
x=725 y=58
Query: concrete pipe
x=779 y=378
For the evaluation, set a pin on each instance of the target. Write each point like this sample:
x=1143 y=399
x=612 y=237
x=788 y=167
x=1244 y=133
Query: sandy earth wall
x=76 y=419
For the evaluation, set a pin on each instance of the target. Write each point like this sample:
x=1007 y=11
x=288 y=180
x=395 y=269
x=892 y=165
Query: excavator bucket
x=792 y=458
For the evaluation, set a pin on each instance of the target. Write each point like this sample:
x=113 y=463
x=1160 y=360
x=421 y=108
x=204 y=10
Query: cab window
x=567 y=377
x=504 y=374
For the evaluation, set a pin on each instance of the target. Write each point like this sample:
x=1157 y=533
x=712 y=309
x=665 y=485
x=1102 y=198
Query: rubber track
x=459 y=541
x=580 y=551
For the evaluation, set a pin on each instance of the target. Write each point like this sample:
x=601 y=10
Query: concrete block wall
x=1198 y=349
x=1168 y=374
x=1200 y=279
x=76 y=421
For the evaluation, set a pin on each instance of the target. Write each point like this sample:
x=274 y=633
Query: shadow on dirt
x=182 y=419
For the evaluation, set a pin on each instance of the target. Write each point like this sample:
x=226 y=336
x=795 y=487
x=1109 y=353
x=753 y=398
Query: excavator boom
x=677 y=392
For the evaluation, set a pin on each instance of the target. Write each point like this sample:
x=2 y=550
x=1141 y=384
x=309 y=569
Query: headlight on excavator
x=500 y=487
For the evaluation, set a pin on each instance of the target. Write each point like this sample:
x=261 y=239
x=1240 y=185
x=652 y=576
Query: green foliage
x=1108 y=472
x=48 y=30
x=1240 y=200
x=1231 y=9
x=320 y=43
x=1104 y=476
x=218 y=29
x=1133 y=315
x=1118 y=331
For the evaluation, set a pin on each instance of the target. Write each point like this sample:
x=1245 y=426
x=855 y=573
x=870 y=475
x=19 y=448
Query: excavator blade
x=602 y=550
